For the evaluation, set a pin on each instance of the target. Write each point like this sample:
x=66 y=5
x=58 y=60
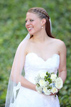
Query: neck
x=40 y=37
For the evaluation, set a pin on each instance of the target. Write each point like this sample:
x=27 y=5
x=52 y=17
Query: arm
x=18 y=65
x=62 y=66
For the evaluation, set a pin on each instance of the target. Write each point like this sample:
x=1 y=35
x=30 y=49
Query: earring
x=42 y=27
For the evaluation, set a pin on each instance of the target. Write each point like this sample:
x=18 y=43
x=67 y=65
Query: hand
x=52 y=94
x=55 y=93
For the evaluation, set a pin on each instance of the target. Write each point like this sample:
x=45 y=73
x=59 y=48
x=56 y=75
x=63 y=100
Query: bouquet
x=48 y=83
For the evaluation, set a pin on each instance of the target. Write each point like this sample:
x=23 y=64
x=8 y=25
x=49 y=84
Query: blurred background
x=13 y=31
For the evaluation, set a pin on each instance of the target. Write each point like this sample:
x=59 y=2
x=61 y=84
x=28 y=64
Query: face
x=33 y=23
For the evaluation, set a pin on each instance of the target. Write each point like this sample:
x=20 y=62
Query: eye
x=31 y=20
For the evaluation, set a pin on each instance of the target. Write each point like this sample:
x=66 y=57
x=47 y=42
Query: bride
x=39 y=51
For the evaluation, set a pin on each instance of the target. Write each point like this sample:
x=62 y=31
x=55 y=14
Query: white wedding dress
x=29 y=98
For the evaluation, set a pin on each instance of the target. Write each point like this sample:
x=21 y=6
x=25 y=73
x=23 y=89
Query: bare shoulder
x=59 y=43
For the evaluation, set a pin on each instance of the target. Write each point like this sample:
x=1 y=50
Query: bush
x=12 y=32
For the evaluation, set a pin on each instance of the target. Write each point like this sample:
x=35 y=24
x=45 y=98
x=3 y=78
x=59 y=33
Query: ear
x=43 y=21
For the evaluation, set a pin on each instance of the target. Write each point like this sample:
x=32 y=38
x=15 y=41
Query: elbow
x=63 y=75
x=14 y=77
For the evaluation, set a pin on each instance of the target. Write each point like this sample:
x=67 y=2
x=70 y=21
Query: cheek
x=25 y=25
x=37 y=25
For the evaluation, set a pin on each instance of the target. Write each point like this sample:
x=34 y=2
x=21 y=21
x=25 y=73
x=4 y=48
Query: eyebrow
x=29 y=19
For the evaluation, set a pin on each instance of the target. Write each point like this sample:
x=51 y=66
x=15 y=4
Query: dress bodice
x=34 y=64
x=27 y=97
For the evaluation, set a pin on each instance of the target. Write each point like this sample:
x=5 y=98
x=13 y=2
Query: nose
x=27 y=23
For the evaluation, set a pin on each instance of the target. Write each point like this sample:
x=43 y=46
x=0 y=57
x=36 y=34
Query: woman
x=39 y=52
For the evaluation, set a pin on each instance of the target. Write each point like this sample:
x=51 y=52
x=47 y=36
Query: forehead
x=31 y=15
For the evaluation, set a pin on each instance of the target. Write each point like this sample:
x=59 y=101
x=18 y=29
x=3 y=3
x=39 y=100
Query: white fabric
x=27 y=37
x=16 y=71
x=30 y=98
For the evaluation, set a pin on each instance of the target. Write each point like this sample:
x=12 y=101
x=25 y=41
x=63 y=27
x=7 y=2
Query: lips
x=29 y=29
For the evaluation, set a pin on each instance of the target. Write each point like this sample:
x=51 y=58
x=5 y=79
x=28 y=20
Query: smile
x=30 y=28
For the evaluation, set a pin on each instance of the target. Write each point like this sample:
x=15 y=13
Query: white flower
x=42 y=83
x=54 y=90
x=37 y=77
x=43 y=86
x=59 y=83
x=53 y=77
x=39 y=89
x=47 y=82
x=42 y=74
x=36 y=80
x=46 y=91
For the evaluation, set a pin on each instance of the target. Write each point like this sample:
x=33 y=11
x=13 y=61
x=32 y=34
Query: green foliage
x=12 y=32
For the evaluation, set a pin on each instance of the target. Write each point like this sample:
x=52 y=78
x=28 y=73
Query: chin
x=31 y=33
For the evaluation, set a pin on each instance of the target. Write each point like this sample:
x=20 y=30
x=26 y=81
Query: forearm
x=24 y=82
x=27 y=84
x=63 y=75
